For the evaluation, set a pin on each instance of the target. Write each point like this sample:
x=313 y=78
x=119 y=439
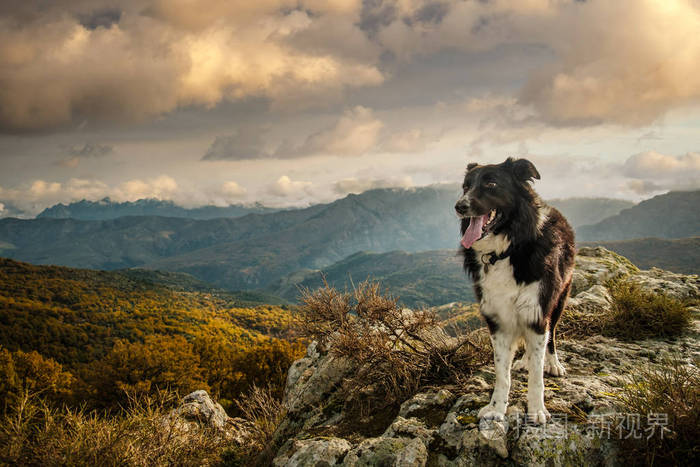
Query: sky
x=295 y=102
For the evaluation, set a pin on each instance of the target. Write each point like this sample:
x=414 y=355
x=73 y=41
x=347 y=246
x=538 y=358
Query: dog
x=520 y=255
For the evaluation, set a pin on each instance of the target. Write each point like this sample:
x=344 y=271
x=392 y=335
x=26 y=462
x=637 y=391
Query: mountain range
x=262 y=250
x=108 y=209
x=672 y=215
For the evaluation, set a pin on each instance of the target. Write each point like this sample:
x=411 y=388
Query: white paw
x=538 y=416
x=553 y=367
x=488 y=412
x=521 y=364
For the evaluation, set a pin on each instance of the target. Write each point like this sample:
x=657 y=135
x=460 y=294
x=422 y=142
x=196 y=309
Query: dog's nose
x=462 y=207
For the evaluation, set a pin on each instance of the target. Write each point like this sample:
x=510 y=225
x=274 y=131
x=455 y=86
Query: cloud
x=90 y=150
x=162 y=187
x=33 y=197
x=167 y=55
x=355 y=185
x=355 y=133
x=285 y=187
x=654 y=172
x=626 y=62
x=630 y=63
x=246 y=143
x=233 y=190
x=653 y=164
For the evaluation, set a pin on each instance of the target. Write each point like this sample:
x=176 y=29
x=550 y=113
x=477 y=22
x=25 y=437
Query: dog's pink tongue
x=473 y=232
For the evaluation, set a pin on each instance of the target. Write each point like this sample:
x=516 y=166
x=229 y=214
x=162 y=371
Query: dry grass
x=672 y=388
x=263 y=413
x=395 y=351
x=635 y=314
x=576 y=323
x=640 y=314
x=33 y=433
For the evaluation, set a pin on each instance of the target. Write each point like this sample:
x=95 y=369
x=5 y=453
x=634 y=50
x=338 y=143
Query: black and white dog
x=520 y=254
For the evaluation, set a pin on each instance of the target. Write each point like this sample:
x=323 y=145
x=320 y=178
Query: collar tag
x=489 y=259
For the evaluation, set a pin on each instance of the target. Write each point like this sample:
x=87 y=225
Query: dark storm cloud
x=376 y=14
x=246 y=143
x=432 y=12
x=100 y=18
x=90 y=150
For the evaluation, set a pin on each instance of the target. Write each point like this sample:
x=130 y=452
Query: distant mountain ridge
x=107 y=209
x=672 y=215
x=256 y=251
x=247 y=252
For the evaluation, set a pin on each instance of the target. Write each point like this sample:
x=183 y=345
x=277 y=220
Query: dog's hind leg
x=552 y=365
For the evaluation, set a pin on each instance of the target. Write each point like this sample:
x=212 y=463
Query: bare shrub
x=395 y=351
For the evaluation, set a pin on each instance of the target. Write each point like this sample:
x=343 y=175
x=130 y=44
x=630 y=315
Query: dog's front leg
x=536 y=344
x=503 y=351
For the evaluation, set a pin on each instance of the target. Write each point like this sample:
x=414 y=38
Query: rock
x=199 y=411
x=596 y=297
x=493 y=434
x=313 y=452
x=312 y=377
x=596 y=266
x=388 y=451
x=555 y=444
x=410 y=428
x=430 y=407
x=199 y=407
x=679 y=286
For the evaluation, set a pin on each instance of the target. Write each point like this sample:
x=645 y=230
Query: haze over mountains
x=278 y=250
x=107 y=209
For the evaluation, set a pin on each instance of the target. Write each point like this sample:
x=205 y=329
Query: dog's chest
x=512 y=304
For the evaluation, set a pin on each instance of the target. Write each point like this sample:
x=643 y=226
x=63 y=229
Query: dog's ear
x=524 y=170
x=471 y=165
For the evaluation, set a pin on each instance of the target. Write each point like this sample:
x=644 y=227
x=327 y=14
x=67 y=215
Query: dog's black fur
x=542 y=253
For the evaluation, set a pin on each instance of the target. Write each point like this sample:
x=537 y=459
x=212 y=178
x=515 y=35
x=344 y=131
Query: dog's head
x=493 y=196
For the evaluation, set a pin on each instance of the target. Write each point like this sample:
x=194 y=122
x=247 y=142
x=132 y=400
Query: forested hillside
x=426 y=278
x=113 y=335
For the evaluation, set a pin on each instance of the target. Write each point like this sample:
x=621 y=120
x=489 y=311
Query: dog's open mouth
x=479 y=227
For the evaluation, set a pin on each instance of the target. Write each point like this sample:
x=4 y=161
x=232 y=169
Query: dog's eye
x=490 y=185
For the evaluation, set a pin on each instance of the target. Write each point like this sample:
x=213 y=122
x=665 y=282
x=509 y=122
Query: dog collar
x=489 y=259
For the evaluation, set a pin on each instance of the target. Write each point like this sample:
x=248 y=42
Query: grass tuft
x=639 y=314
x=672 y=390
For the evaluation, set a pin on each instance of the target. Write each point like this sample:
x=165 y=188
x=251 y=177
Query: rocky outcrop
x=199 y=411
x=439 y=425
